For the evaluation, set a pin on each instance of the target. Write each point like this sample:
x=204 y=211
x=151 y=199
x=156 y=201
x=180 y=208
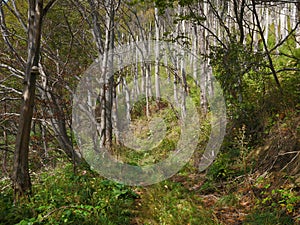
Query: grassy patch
x=170 y=203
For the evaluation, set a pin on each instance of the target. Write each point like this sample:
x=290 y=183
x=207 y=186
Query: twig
x=290 y=162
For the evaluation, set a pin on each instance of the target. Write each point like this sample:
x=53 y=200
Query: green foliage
x=230 y=163
x=67 y=198
x=170 y=203
x=157 y=150
x=233 y=159
x=242 y=75
x=62 y=197
x=139 y=108
x=189 y=17
x=283 y=199
x=10 y=214
x=221 y=168
x=268 y=218
x=231 y=64
x=163 y=5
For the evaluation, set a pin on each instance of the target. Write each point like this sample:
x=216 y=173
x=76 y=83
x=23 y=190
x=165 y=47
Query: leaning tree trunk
x=21 y=178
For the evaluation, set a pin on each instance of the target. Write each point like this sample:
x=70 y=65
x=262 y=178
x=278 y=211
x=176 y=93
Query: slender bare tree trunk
x=107 y=80
x=127 y=100
x=266 y=25
x=283 y=22
x=298 y=20
x=148 y=87
x=157 y=79
x=58 y=122
x=135 y=79
x=97 y=32
x=110 y=35
x=239 y=9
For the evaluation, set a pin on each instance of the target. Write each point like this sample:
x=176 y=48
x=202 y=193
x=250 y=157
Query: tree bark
x=20 y=177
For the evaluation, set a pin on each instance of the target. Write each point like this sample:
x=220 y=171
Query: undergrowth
x=62 y=197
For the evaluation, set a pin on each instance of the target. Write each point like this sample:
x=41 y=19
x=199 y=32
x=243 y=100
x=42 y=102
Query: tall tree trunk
x=110 y=85
x=148 y=87
x=298 y=20
x=127 y=100
x=239 y=9
x=283 y=22
x=266 y=25
x=276 y=29
x=106 y=92
x=21 y=178
x=96 y=26
x=157 y=57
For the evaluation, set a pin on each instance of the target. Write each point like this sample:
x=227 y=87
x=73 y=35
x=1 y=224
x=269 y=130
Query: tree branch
x=5 y=35
x=48 y=6
x=284 y=39
x=266 y=46
x=18 y=15
x=16 y=72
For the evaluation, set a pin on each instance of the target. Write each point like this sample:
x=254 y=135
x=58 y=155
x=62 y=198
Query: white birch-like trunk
x=283 y=22
x=266 y=24
x=127 y=100
x=136 y=77
x=143 y=78
x=148 y=88
x=157 y=57
x=194 y=55
x=44 y=97
x=184 y=86
x=297 y=19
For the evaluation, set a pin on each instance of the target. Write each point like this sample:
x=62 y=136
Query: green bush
x=67 y=198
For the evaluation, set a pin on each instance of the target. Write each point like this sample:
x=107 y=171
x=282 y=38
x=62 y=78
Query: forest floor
x=267 y=194
x=261 y=186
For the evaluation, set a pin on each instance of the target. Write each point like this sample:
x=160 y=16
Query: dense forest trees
x=224 y=27
x=250 y=47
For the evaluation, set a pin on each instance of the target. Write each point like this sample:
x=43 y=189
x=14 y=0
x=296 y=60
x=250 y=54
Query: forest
x=146 y=112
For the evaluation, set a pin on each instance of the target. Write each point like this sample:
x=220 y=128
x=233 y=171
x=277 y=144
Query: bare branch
x=11 y=89
x=16 y=72
x=206 y=28
x=9 y=99
x=292 y=160
x=5 y=35
x=18 y=15
x=284 y=39
x=266 y=46
x=48 y=6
